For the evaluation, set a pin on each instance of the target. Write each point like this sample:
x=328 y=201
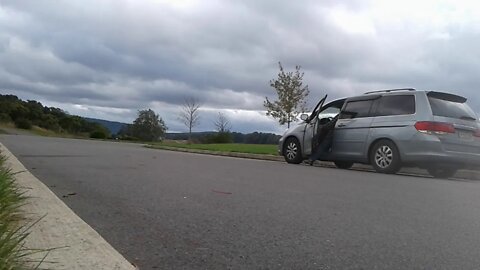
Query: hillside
x=112 y=126
x=30 y=114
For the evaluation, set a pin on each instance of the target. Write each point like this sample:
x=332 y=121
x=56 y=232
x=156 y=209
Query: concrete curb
x=462 y=174
x=214 y=153
x=75 y=244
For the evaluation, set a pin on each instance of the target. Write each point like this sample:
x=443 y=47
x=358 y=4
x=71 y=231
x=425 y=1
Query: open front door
x=311 y=127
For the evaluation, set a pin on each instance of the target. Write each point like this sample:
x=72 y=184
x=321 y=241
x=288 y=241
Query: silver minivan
x=391 y=129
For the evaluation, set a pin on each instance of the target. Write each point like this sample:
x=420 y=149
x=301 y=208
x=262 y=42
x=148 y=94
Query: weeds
x=13 y=227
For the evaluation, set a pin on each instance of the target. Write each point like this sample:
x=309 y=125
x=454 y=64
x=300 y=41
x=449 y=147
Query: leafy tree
x=190 y=114
x=99 y=134
x=49 y=122
x=148 y=126
x=18 y=111
x=71 y=124
x=35 y=111
x=291 y=96
x=5 y=118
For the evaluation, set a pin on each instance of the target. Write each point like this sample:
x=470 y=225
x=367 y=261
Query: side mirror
x=304 y=116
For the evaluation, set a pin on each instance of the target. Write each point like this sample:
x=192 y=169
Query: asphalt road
x=172 y=210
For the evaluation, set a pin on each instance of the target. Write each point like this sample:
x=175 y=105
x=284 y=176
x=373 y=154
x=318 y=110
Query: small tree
x=148 y=126
x=291 y=96
x=222 y=123
x=190 y=114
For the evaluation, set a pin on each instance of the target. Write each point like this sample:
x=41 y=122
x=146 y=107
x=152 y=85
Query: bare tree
x=190 y=114
x=222 y=123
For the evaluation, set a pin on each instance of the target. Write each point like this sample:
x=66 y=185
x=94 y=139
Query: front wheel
x=385 y=157
x=292 y=151
x=442 y=173
x=343 y=164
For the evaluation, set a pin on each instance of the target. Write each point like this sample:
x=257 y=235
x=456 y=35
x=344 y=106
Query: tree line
x=25 y=114
x=236 y=137
x=149 y=126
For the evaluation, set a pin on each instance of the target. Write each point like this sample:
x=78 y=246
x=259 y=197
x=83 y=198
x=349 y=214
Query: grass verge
x=13 y=226
x=264 y=149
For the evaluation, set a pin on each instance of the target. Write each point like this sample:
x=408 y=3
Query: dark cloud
x=129 y=55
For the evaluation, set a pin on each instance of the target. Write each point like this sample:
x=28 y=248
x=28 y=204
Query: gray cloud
x=129 y=55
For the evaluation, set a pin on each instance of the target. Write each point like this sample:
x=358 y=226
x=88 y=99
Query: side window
x=357 y=109
x=328 y=112
x=396 y=105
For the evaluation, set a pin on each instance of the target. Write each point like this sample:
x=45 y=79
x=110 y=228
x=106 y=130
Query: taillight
x=477 y=133
x=435 y=127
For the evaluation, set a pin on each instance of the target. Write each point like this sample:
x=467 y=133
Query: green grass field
x=227 y=147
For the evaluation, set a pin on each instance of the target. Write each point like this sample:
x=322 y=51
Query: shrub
x=5 y=118
x=128 y=138
x=23 y=123
x=98 y=134
x=221 y=137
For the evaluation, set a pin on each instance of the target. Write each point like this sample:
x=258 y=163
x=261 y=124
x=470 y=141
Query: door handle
x=342 y=125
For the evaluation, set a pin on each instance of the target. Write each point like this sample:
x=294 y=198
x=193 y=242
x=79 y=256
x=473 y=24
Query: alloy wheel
x=384 y=157
x=291 y=150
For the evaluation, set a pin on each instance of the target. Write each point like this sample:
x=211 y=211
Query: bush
x=23 y=123
x=5 y=118
x=128 y=138
x=221 y=137
x=98 y=134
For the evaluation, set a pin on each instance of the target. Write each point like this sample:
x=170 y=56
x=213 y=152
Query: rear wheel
x=385 y=157
x=442 y=173
x=292 y=151
x=343 y=164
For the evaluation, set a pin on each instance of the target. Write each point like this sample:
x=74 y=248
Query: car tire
x=442 y=173
x=292 y=151
x=385 y=157
x=343 y=164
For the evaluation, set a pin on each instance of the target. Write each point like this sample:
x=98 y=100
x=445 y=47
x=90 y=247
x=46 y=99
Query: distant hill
x=113 y=127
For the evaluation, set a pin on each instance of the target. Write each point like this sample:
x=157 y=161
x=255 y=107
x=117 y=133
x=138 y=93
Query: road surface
x=172 y=210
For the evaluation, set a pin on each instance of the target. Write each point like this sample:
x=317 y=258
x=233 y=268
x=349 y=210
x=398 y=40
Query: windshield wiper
x=468 y=118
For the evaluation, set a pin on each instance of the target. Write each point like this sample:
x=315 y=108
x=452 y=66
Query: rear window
x=396 y=105
x=356 y=109
x=451 y=109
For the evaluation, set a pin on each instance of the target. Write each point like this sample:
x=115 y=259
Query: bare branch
x=190 y=114
x=222 y=123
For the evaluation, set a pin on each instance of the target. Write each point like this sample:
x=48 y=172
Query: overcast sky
x=107 y=59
